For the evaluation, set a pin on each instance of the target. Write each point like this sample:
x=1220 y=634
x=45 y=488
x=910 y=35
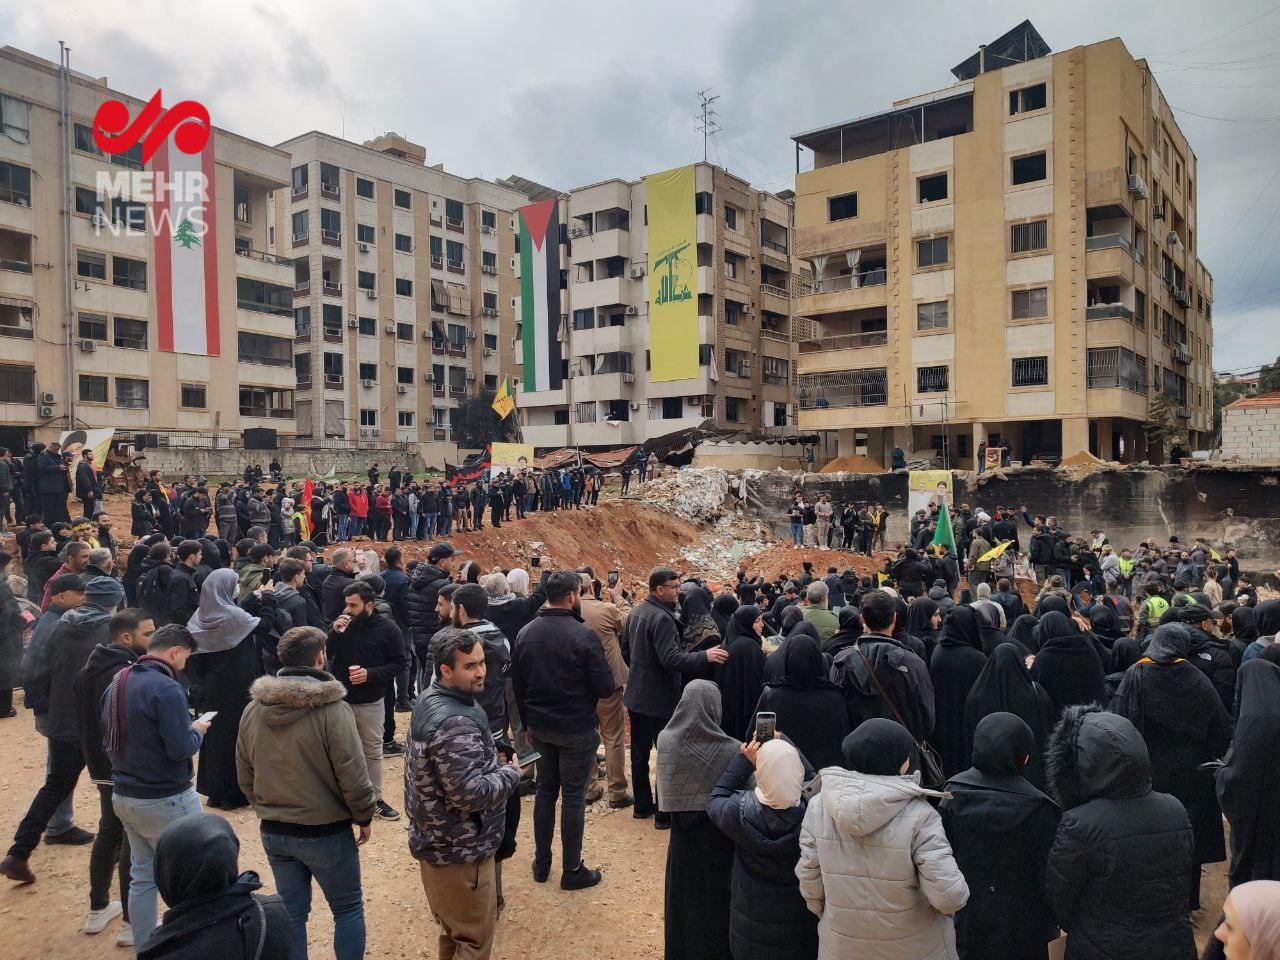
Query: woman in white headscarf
x=227 y=659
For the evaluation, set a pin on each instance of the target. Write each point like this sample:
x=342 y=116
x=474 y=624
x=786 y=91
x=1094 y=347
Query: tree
x=1269 y=377
x=477 y=424
x=1224 y=394
x=1162 y=429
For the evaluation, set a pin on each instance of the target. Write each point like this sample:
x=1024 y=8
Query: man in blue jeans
x=300 y=761
x=150 y=739
x=560 y=675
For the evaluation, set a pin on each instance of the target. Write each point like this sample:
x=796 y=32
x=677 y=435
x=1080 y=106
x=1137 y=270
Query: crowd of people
x=918 y=763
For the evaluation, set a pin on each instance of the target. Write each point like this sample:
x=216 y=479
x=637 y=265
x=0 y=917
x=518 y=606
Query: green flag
x=943 y=535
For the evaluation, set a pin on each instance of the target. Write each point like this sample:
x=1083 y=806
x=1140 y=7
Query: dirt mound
x=780 y=558
x=694 y=494
x=856 y=464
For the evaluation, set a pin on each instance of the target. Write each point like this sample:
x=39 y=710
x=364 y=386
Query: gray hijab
x=693 y=751
x=219 y=624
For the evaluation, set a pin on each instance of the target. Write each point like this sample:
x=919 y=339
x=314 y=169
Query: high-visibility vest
x=1156 y=607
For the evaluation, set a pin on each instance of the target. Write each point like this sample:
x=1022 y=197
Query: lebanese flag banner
x=186 y=251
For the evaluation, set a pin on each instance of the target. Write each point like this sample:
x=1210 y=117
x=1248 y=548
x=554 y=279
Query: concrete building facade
x=78 y=336
x=1011 y=257
x=401 y=288
x=745 y=269
x=1251 y=429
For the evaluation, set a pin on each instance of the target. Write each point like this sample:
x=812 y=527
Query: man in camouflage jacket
x=456 y=790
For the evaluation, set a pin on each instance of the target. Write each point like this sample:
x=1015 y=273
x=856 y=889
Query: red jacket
x=359 y=503
x=383 y=505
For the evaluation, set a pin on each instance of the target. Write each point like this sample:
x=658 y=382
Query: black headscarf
x=1055 y=625
x=742 y=624
x=695 y=602
x=1169 y=642
x=722 y=609
x=920 y=620
x=803 y=629
x=902 y=613
x=1266 y=616
x=1004 y=686
x=1067 y=663
x=1052 y=603
x=210 y=555
x=802 y=665
x=197 y=857
x=1105 y=623
x=1244 y=624
x=878 y=748
x=1023 y=631
x=1125 y=652
x=961 y=628
x=1002 y=744
x=848 y=633
x=1248 y=784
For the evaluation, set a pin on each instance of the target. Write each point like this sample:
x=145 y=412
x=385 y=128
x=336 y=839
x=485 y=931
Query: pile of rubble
x=717 y=553
x=693 y=494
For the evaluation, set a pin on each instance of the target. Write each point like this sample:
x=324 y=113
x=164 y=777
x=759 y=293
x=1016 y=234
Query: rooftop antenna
x=707 y=123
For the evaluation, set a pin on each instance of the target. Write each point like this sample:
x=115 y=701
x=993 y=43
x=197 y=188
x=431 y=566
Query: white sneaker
x=98 y=919
x=125 y=937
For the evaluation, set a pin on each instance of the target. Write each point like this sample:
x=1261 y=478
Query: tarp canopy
x=558 y=458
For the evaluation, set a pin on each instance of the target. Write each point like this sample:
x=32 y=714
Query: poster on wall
x=540 y=296
x=98 y=442
x=926 y=488
x=673 y=275
x=510 y=458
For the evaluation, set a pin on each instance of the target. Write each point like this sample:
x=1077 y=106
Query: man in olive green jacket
x=300 y=762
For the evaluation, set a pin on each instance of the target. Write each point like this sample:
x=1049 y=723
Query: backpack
x=153 y=593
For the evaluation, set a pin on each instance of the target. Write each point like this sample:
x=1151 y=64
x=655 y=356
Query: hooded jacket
x=420 y=605
x=1116 y=836
x=73 y=640
x=106 y=660
x=876 y=868
x=298 y=607
x=299 y=760
x=331 y=599
x=903 y=675
x=374 y=642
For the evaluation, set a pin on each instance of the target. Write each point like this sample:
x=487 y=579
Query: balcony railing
x=781 y=335
x=844 y=388
x=876 y=277
x=875 y=338
x=331 y=237
x=299 y=193
x=266 y=413
x=452 y=223
x=333 y=381
x=330 y=191
x=774 y=379
x=1107 y=241
x=22 y=333
x=1106 y=311
x=773 y=245
x=332 y=289
x=263 y=256
x=257 y=306
x=9 y=195
x=18 y=266
x=776 y=291
x=265 y=360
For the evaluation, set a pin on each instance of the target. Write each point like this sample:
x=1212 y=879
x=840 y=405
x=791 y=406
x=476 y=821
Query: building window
x=91 y=265
x=560 y=418
x=365 y=279
x=84 y=141
x=932 y=379
x=490 y=301
x=933 y=252
x=330 y=224
x=732 y=312
x=368 y=371
x=731 y=409
x=1027 y=99
x=129 y=214
x=263 y=297
x=300 y=178
x=368 y=418
x=1026 y=237
x=453 y=252
x=364 y=188
x=1029 y=169
x=15 y=184
x=88 y=201
x=404 y=375
x=129 y=273
x=192 y=396
x=1030 y=371
x=132 y=334
x=404 y=331
x=404 y=287
x=133 y=394
x=365 y=233
x=1139 y=309
x=17 y=383
x=367 y=326
x=404 y=418
x=301 y=225
x=453 y=212
x=266 y=402
x=730 y=217
x=1031 y=304
x=333 y=367
x=93 y=389
x=933 y=316
x=403 y=199
x=404 y=243
x=491 y=341
x=1117 y=367
x=92 y=326
x=774 y=371
x=491 y=381
x=672 y=408
x=260 y=348
x=844 y=207
x=302 y=368
x=302 y=321
x=488 y=219
x=933 y=188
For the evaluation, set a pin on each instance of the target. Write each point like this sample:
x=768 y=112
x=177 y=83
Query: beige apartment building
x=744 y=269
x=401 y=288
x=1013 y=256
x=78 y=338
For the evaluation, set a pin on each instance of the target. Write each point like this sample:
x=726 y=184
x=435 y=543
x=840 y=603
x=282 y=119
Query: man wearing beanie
x=70 y=644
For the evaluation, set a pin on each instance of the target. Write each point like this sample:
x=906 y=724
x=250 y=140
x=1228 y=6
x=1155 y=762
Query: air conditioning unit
x=88 y=346
x=1171 y=238
x=746 y=309
x=1137 y=186
x=48 y=397
x=692 y=399
x=426 y=334
x=471 y=334
x=364 y=431
x=635 y=406
x=488 y=351
x=631 y=311
x=744 y=369
x=375 y=432
x=429 y=378
x=99 y=218
x=371 y=294
x=366 y=383
x=1157 y=213
x=637 y=271
x=471 y=376
x=401 y=388
x=352 y=323
x=489 y=268
x=46 y=411
x=485 y=228
x=390 y=329
x=362 y=247
x=628 y=378
x=490 y=311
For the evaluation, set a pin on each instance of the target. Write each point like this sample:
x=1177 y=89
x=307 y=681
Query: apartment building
x=401 y=287
x=84 y=340
x=744 y=271
x=1013 y=256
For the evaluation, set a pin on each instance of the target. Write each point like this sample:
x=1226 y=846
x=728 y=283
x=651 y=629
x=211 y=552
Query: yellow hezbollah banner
x=509 y=458
x=673 y=276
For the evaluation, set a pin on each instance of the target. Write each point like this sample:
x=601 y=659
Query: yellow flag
x=994 y=552
x=1213 y=555
x=504 y=403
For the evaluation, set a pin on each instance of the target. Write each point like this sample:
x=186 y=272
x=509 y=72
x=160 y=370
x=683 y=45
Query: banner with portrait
x=926 y=488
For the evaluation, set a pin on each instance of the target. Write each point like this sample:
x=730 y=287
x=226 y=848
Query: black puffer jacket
x=1119 y=871
x=331 y=599
x=420 y=603
x=105 y=661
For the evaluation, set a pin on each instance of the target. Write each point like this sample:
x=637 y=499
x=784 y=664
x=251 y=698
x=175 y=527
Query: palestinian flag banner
x=540 y=296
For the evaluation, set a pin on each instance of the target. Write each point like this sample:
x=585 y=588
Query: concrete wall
x=296 y=463
x=1239 y=507
x=1252 y=434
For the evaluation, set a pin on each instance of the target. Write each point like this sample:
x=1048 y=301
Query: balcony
x=781 y=336
x=852 y=341
x=331 y=289
x=333 y=381
x=769 y=290
x=301 y=240
x=330 y=191
x=453 y=223
x=1109 y=256
x=843 y=389
x=606 y=292
x=299 y=193
x=1106 y=241
x=15 y=251
x=455 y=266
x=302 y=289
x=332 y=238
x=263 y=256
x=836 y=291
x=1106 y=311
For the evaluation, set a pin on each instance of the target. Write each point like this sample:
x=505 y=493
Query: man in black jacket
x=420 y=605
x=911 y=573
x=366 y=651
x=1005 y=528
x=652 y=644
x=88 y=484
x=53 y=484
x=292 y=599
x=341 y=575
x=560 y=674
x=183 y=596
x=129 y=632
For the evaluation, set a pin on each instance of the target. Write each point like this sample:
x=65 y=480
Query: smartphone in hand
x=766 y=724
x=207 y=716
x=528 y=759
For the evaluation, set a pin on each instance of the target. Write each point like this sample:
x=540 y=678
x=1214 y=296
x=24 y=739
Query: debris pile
x=854 y=464
x=693 y=494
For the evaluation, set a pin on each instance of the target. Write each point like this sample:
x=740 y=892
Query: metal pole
x=68 y=283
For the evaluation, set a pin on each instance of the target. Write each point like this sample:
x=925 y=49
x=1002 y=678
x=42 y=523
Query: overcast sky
x=572 y=93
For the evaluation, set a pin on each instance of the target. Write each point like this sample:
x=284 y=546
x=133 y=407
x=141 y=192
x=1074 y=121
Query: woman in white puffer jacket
x=875 y=864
